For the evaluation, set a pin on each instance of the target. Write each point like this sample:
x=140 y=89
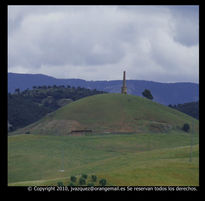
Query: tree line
x=191 y=108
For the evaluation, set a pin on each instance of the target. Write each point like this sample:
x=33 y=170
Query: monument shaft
x=124 y=88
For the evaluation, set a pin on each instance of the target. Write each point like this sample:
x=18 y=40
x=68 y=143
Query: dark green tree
x=94 y=178
x=186 y=127
x=73 y=178
x=102 y=182
x=84 y=176
x=82 y=181
x=60 y=183
x=147 y=94
x=71 y=184
x=90 y=184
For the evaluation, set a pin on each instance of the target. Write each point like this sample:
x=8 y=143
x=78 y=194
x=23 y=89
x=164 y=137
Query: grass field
x=123 y=159
x=155 y=150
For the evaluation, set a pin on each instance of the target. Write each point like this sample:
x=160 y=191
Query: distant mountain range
x=164 y=93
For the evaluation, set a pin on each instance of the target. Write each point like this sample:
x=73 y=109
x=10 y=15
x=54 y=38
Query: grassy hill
x=111 y=113
x=122 y=159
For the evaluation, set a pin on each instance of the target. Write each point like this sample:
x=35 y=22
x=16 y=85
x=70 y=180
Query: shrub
x=60 y=183
x=186 y=127
x=82 y=181
x=85 y=176
x=102 y=182
x=71 y=184
x=94 y=178
x=90 y=184
x=73 y=178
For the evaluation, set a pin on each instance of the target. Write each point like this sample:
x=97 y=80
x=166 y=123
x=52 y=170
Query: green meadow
x=146 y=159
x=134 y=141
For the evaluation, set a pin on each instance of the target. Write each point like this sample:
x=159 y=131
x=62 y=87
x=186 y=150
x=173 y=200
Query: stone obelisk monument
x=124 y=88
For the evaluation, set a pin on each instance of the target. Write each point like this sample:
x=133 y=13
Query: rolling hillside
x=122 y=159
x=110 y=113
x=134 y=141
x=26 y=107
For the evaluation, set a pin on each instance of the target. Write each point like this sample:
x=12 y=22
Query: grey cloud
x=89 y=42
x=67 y=40
x=186 y=19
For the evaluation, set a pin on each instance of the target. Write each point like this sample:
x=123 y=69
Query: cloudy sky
x=157 y=43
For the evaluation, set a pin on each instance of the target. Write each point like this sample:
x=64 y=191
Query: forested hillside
x=191 y=108
x=28 y=106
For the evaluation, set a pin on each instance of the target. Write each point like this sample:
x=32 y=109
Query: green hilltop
x=111 y=113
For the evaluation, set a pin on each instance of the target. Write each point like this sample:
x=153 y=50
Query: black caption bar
x=71 y=189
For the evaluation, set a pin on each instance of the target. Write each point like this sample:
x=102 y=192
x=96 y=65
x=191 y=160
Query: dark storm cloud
x=99 y=42
x=186 y=20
